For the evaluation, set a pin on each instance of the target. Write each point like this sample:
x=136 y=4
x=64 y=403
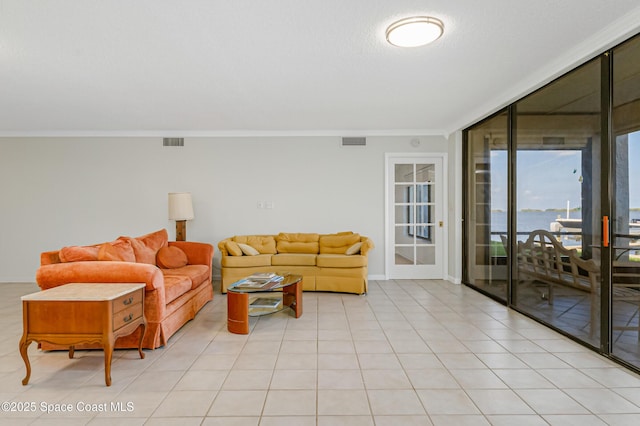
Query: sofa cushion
x=265 y=244
x=233 y=248
x=245 y=261
x=175 y=286
x=248 y=250
x=297 y=243
x=78 y=253
x=145 y=247
x=337 y=244
x=354 y=249
x=118 y=250
x=293 y=259
x=171 y=257
x=340 y=261
x=196 y=274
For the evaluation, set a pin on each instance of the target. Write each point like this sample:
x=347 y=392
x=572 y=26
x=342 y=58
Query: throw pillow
x=233 y=248
x=248 y=250
x=146 y=246
x=78 y=253
x=354 y=249
x=337 y=244
x=119 y=250
x=265 y=244
x=171 y=257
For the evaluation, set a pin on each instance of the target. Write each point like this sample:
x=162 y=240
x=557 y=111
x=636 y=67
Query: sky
x=548 y=179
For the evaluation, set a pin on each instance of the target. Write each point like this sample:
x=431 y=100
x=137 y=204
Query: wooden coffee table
x=74 y=314
x=239 y=309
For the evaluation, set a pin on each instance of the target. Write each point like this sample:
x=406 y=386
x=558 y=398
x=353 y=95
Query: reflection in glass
x=404 y=173
x=558 y=203
x=404 y=234
x=625 y=286
x=425 y=255
x=486 y=206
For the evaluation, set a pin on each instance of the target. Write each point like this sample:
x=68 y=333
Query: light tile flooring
x=407 y=353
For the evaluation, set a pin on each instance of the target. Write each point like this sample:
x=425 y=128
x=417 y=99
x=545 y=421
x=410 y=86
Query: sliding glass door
x=552 y=204
x=486 y=211
x=625 y=217
x=558 y=203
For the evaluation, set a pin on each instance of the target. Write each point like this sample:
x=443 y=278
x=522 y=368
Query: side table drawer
x=127 y=301
x=126 y=316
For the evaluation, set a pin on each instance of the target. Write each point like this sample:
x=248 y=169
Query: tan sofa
x=176 y=274
x=327 y=262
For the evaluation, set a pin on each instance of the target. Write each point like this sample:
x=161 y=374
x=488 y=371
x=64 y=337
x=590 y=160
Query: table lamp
x=180 y=210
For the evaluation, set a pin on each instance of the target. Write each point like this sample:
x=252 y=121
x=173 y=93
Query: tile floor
x=408 y=353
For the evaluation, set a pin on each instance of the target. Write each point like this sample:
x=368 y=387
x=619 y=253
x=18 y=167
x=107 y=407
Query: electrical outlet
x=269 y=205
x=261 y=204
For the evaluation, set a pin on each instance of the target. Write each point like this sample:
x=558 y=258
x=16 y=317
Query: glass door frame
x=440 y=226
x=606 y=202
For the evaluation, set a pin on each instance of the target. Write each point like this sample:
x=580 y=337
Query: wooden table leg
x=144 y=327
x=108 y=354
x=238 y=313
x=292 y=297
x=24 y=346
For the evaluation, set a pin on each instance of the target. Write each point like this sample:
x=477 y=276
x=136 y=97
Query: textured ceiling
x=241 y=67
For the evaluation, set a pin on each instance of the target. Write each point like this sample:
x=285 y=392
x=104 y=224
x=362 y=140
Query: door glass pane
x=486 y=206
x=625 y=291
x=404 y=173
x=423 y=193
x=425 y=255
x=404 y=255
x=404 y=214
x=425 y=213
x=425 y=173
x=414 y=210
x=558 y=204
x=404 y=234
x=404 y=194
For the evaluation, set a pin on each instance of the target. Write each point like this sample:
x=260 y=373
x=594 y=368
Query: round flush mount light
x=415 y=31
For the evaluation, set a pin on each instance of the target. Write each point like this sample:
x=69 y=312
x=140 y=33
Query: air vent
x=354 y=141
x=173 y=142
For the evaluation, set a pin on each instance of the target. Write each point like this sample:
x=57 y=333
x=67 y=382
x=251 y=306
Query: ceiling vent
x=172 y=141
x=354 y=141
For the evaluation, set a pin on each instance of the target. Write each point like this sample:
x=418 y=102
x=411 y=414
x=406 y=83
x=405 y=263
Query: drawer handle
x=128 y=318
x=128 y=301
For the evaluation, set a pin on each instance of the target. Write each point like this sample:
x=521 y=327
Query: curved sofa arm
x=57 y=274
x=222 y=247
x=367 y=245
x=197 y=253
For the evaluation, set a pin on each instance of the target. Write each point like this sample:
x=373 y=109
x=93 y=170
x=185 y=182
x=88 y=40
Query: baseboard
x=453 y=280
x=376 y=277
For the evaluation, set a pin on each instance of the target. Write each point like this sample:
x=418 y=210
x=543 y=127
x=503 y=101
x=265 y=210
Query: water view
x=528 y=220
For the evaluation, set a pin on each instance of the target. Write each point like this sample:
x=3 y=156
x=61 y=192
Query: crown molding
x=217 y=133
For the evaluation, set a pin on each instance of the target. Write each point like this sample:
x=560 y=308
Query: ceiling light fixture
x=415 y=31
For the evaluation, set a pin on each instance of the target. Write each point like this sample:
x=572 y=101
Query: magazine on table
x=266 y=302
x=259 y=280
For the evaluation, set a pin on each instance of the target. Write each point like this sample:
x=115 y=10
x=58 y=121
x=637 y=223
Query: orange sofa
x=176 y=274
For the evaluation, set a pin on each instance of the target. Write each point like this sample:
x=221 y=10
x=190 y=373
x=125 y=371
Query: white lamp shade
x=180 y=206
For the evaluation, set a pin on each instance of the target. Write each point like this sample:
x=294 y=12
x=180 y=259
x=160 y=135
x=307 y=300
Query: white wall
x=73 y=191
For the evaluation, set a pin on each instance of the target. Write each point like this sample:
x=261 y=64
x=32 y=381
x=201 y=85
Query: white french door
x=415 y=200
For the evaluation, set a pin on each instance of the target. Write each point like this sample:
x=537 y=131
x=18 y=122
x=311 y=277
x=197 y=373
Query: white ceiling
x=263 y=67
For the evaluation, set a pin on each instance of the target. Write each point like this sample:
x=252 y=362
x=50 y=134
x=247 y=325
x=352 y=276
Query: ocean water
x=530 y=220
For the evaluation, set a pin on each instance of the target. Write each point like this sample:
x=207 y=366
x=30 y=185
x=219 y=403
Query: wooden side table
x=78 y=313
